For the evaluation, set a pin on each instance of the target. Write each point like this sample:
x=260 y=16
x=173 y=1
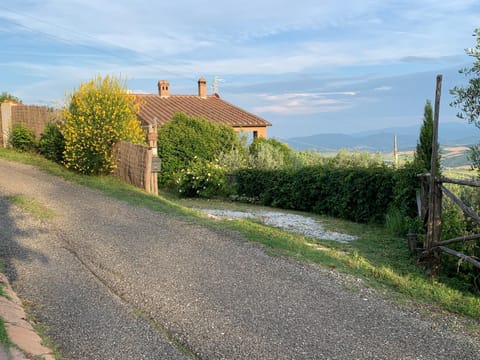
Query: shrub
x=356 y=159
x=270 y=154
x=186 y=138
x=357 y=194
x=234 y=160
x=52 y=142
x=98 y=115
x=407 y=184
x=22 y=138
x=201 y=179
x=308 y=158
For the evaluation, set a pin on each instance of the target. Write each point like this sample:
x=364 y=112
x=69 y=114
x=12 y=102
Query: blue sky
x=306 y=66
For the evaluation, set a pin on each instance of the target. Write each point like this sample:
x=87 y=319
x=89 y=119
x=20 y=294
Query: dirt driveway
x=115 y=281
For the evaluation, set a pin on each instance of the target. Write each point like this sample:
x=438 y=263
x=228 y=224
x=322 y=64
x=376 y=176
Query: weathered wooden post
x=6 y=120
x=435 y=194
x=155 y=161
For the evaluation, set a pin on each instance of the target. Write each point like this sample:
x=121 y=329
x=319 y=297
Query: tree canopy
x=423 y=154
x=467 y=98
x=6 y=96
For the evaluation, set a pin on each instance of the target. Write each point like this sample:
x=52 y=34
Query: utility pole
x=395 y=150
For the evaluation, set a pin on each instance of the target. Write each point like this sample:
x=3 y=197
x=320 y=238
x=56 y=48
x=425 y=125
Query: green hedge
x=357 y=194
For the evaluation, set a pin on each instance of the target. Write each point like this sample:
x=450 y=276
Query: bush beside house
x=185 y=139
x=96 y=117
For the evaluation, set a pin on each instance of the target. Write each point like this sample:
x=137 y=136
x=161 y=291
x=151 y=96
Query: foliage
x=270 y=154
x=352 y=159
x=467 y=99
x=455 y=224
x=186 y=138
x=234 y=160
x=22 y=138
x=4 y=339
x=52 y=142
x=474 y=156
x=396 y=222
x=423 y=153
x=6 y=96
x=357 y=194
x=407 y=184
x=97 y=116
x=308 y=158
x=201 y=179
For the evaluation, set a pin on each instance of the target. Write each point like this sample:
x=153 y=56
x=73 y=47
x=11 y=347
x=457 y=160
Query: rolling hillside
x=450 y=134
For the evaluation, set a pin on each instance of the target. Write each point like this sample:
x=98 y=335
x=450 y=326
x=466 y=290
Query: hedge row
x=356 y=194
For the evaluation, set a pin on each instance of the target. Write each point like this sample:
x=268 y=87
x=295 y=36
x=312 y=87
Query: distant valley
x=450 y=134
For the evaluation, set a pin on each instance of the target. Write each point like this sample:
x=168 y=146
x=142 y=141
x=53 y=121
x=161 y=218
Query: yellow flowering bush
x=97 y=116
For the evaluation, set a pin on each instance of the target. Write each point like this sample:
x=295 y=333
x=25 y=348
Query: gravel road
x=91 y=270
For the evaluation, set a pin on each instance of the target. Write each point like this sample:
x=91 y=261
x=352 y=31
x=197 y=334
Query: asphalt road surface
x=111 y=280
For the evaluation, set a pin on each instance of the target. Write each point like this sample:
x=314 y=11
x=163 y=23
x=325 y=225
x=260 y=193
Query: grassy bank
x=380 y=259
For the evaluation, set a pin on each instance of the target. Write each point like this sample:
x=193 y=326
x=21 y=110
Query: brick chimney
x=163 y=88
x=202 y=88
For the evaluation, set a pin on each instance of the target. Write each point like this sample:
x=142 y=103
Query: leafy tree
x=6 y=96
x=423 y=154
x=185 y=139
x=97 y=116
x=467 y=99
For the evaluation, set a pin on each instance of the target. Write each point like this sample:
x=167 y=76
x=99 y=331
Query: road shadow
x=15 y=226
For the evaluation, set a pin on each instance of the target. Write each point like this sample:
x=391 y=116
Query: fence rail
x=433 y=245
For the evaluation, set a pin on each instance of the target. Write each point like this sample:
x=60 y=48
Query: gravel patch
x=99 y=261
x=291 y=222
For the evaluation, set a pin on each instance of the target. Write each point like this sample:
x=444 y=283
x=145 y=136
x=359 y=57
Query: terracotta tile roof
x=212 y=108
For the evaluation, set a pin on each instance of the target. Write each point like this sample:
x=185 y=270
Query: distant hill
x=451 y=134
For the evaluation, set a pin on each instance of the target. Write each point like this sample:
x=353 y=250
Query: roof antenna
x=215 y=82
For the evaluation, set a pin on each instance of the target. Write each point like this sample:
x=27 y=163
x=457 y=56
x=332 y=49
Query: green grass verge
x=2 y=285
x=31 y=206
x=47 y=341
x=41 y=330
x=379 y=258
x=4 y=339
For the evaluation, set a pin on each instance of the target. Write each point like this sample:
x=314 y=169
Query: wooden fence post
x=435 y=196
x=152 y=144
x=6 y=118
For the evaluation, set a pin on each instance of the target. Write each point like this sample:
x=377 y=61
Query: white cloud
x=211 y=37
x=383 y=88
x=304 y=103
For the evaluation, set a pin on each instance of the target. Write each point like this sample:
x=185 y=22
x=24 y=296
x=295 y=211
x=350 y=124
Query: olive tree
x=467 y=98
